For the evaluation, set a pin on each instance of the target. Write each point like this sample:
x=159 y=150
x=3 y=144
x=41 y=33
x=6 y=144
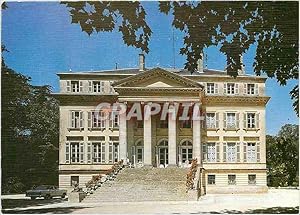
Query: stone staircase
x=143 y=184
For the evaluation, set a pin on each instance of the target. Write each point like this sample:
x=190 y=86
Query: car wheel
x=63 y=196
x=33 y=198
x=47 y=197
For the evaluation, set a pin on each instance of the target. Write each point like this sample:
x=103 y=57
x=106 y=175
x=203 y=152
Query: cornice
x=236 y=100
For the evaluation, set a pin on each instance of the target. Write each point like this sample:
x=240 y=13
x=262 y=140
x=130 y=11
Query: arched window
x=186 y=150
x=163 y=142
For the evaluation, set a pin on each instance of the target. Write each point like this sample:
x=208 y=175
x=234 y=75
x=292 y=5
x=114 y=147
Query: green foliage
x=29 y=135
x=283 y=157
x=233 y=26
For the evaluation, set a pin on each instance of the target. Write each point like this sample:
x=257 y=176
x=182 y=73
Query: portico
x=169 y=131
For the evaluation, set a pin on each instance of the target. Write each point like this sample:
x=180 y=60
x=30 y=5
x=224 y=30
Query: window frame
x=251 y=182
x=211 y=179
x=231 y=181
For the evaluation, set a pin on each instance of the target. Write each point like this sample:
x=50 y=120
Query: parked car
x=46 y=191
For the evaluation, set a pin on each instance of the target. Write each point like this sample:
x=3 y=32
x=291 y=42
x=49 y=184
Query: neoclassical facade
x=163 y=118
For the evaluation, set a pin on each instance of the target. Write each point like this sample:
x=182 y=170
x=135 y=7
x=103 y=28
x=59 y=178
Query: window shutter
x=224 y=120
x=224 y=152
x=238 y=152
x=256 y=90
x=133 y=154
x=236 y=88
x=237 y=115
x=204 y=152
x=218 y=151
x=102 y=83
x=245 y=89
x=216 y=88
x=217 y=120
x=67 y=152
x=225 y=88
x=245 y=120
x=258 y=152
x=102 y=119
x=72 y=119
x=90 y=86
x=89 y=152
x=111 y=119
x=81 y=86
x=245 y=152
x=257 y=120
x=205 y=87
x=68 y=86
x=81 y=152
x=89 y=120
x=81 y=119
x=102 y=152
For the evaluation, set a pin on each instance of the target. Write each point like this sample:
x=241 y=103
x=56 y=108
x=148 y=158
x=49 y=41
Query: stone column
x=197 y=133
x=172 y=135
x=123 y=137
x=147 y=136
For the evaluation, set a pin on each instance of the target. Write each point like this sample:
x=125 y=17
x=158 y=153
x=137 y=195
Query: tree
x=283 y=157
x=234 y=26
x=29 y=135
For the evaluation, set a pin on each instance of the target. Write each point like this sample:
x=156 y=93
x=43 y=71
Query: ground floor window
x=113 y=149
x=99 y=152
x=186 y=151
x=74 y=181
x=252 y=179
x=211 y=179
x=231 y=179
x=75 y=151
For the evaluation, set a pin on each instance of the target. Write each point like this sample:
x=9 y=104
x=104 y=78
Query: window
x=186 y=151
x=231 y=152
x=98 y=152
x=250 y=89
x=211 y=120
x=211 y=152
x=251 y=152
x=231 y=179
x=75 y=86
x=75 y=152
x=210 y=88
x=186 y=123
x=97 y=119
x=163 y=124
x=250 y=120
x=114 y=119
x=231 y=121
x=98 y=86
x=230 y=88
x=252 y=179
x=211 y=179
x=74 y=181
x=76 y=119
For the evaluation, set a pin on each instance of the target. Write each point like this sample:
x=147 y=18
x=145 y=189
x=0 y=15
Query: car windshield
x=42 y=187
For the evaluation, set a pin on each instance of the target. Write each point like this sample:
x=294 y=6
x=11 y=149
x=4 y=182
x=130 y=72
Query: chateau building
x=227 y=137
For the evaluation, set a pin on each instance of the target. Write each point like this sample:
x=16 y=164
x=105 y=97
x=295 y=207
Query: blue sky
x=41 y=42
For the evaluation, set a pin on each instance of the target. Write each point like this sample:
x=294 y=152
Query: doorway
x=163 y=153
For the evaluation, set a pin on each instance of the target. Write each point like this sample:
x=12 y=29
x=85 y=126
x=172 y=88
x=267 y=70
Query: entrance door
x=163 y=156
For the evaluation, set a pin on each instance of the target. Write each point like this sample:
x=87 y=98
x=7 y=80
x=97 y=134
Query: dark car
x=46 y=191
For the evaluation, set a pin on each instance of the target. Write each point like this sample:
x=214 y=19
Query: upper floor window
x=251 y=120
x=76 y=119
x=231 y=120
x=251 y=152
x=75 y=86
x=98 y=152
x=74 y=152
x=251 y=89
x=231 y=152
x=211 y=152
x=212 y=88
x=114 y=119
x=231 y=88
x=212 y=120
x=96 y=119
x=96 y=86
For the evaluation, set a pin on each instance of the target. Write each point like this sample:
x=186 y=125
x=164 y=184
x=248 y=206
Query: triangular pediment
x=157 y=78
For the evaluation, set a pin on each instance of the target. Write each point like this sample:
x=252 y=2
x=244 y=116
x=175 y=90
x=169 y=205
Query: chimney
x=241 y=71
x=141 y=62
x=200 y=64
